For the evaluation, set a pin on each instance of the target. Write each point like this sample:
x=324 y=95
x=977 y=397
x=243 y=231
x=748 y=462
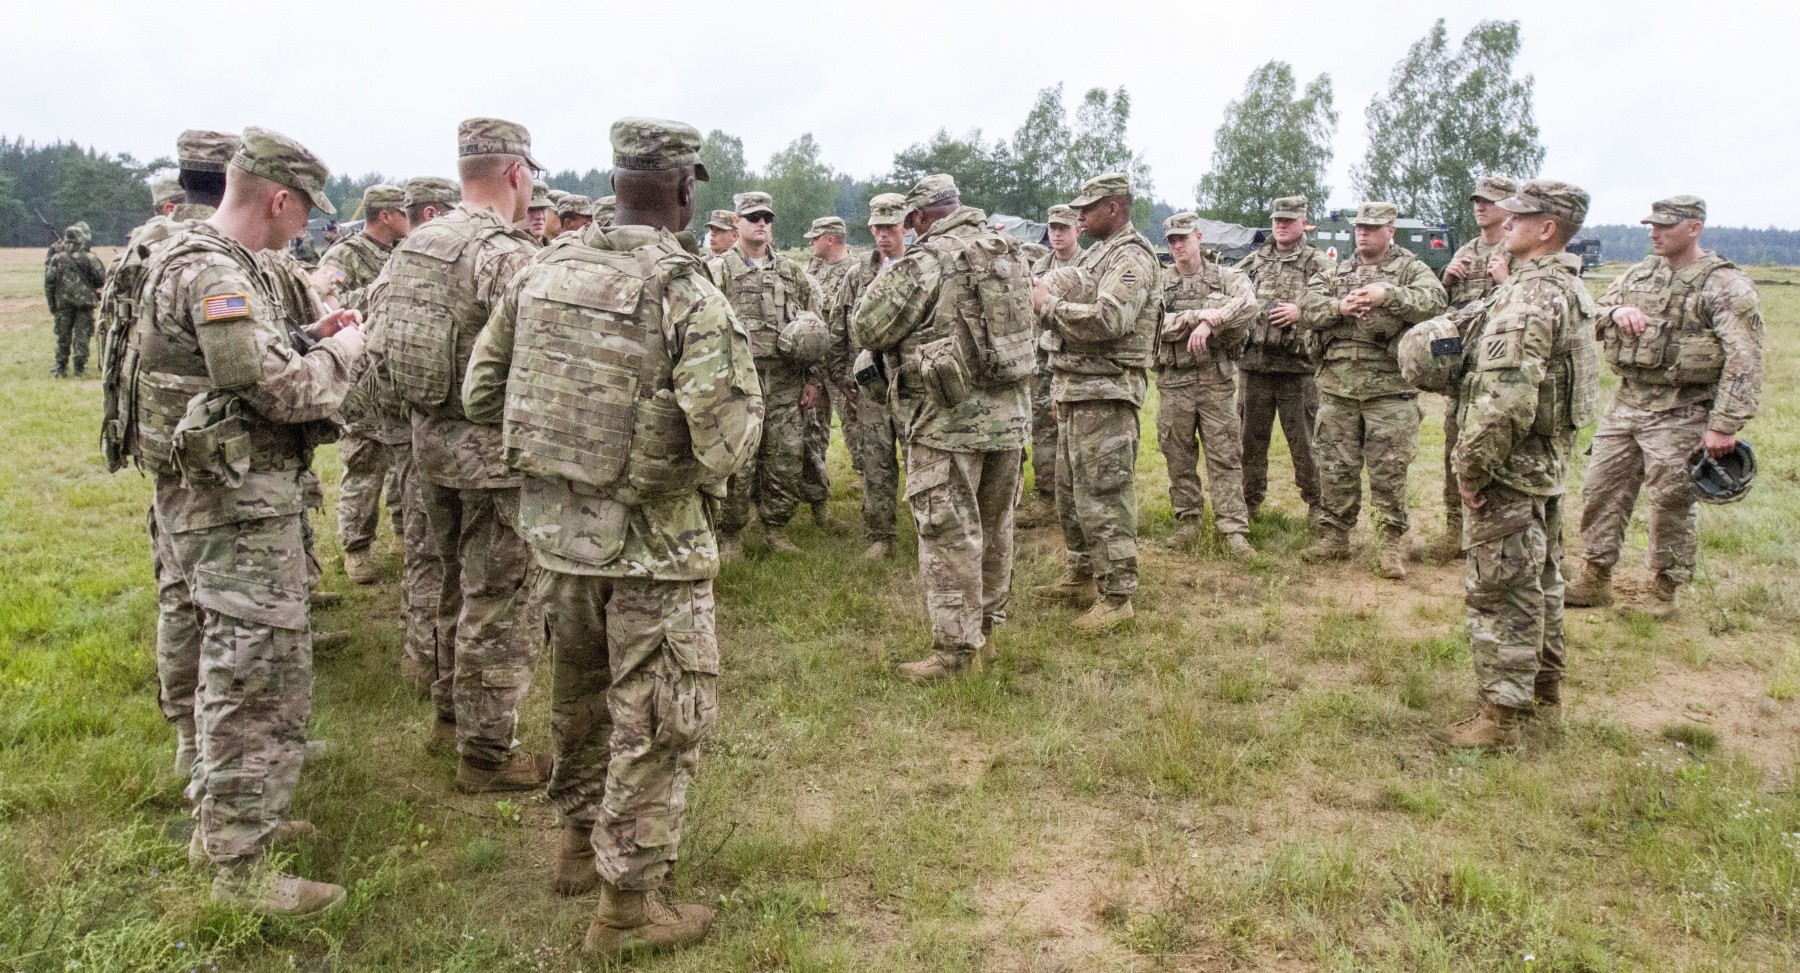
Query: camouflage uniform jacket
x=1477 y=283
x=766 y=295
x=1050 y=261
x=896 y=314
x=360 y=258
x=72 y=279
x=828 y=277
x=714 y=383
x=840 y=305
x=1282 y=277
x=1215 y=287
x=1361 y=355
x=1124 y=312
x=1718 y=297
x=1516 y=393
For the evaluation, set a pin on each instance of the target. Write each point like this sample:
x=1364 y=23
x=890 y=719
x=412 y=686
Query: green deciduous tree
x=723 y=156
x=1272 y=143
x=1447 y=119
x=969 y=160
x=1035 y=165
x=802 y=189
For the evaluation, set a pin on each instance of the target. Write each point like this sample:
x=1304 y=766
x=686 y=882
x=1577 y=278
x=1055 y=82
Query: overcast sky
x=1635 y=101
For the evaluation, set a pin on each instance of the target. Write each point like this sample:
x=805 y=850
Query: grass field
x=1239 y=782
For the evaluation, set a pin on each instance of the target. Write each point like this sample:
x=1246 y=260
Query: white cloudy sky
x=1635 y=100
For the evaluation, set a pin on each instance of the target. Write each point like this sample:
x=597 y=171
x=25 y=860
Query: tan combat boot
x=1592 y=588
x=1449 y=546
x=330 y=641
x=777 y=540
x=1237 y=547
x=522 y=770
x=878 y=551
x=1184 y=536
x=630 y=922
x=1546 y=704
x=940 y=665
x=987 y=652
x=443 y=736
x=1329 y=544
x=187 y=747
x=1493 y=728
x=827 y=524
x=1037 y=512
x=324 y=599
x=418 y=675
x=1393 y=555
x=246 y=886
x=1106 y=614
x=1665 y=598
x=360 y=567
x=1072 y=585
x=575 y=871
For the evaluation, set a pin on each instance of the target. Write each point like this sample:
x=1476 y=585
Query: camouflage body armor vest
x=590 y=398
x=1280 y=282
x=1679 y=346
x=1134 y=350
x=118 y=316
x=765 y=298
x=1369 y=338
x=1195 y=292
x=433 y=319
x=1569 y=394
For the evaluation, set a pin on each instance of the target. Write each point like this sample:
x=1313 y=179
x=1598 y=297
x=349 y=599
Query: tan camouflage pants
x=1096 y=469
x=879 y=438
x=1513 y=593
x=248 y=585
x=421 y=572
x=772 y=478
x=1636 y=448
x=1293 y=397
x=481 y=616
x=1453 y=505
x=634 y=691
x=1043 y=431
x=177 y=633
x=369 y=472
x=815 y=481
x=1193 y=417
x=1380 y=434
x=963 y=505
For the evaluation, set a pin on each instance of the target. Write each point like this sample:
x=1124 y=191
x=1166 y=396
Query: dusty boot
x=1075 y=586
x=360 y=567
x=1329 y=544
x=443 y=736
x=878 y=551
x=1393 y=555
x=415 y=673
x=1036 y=513
x=731 y=547
x=1186 y=533
x=1665 y=598
x=987 y=652
x=1493 y=728
x=247 y=887
x=522 y=770
x=1237 y=547
x=940 y=665
x=1448 y=546
x=1108 y=613
x=324 y=599
x=1546 y=704
x=777 y=539
x=827 y=524
x=59 y=370
x=631 y=922
x=187 y=747
x=329 y=641
x=575 y=872
x=1592 y=588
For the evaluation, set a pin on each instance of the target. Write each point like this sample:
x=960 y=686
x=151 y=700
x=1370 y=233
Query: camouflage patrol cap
x=656 y=143
x=604 y=209
x=1562 y=200
x=540 y=194
x=827 y=225
x=277 y=158
x=1062 y=214
x=1181 y=224
x=1668 y=212
x=432 y=189
x=383 y=196
x=752 y=202
x=934 y=188
x=573 y=204
x=720 y=219
x=1376 y=214
x=556 y=197
x=887 y=209
x=1288 y=208
x=1494 y=188
x=494 y=136
x=205 y=151
x=165 y=191
x=1101 y=187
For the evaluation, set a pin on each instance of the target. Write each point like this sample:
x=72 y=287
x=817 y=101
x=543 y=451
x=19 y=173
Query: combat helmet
x=1726 y=479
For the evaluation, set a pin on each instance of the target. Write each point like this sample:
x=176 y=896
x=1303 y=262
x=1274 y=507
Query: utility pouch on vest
x=211 y=444
x=1699 y=359
x=997 y=312
x=941 y=372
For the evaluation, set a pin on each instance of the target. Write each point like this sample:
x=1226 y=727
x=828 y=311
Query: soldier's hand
x=1039 y=292
x=334 y=322
x=350 y=338
x=1718 y=443
x=1499 y=267
x=1458 y=269
x=1374 y=295
x=1283 y=315
x=1197 y=338
x=1471 y=498
x=1630 y=320
x=809 y=396
x=326 y=279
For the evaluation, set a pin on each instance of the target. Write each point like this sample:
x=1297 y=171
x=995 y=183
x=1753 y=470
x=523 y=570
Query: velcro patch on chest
x=225 y=307
x=1503 y=349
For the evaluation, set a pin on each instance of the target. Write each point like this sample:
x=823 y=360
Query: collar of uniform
x=626 y=237
x=1276 y=253
x=959 y=217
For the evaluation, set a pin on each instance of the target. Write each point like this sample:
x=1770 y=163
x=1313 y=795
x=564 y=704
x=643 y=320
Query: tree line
x=1741 y=245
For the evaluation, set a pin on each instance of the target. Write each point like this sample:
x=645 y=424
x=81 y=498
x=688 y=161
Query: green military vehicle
x=1588 y=249
x=1434 y=243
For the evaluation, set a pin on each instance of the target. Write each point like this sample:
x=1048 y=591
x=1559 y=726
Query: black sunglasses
x=761 y=218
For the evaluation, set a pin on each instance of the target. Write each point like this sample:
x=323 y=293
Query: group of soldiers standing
x=574 y=410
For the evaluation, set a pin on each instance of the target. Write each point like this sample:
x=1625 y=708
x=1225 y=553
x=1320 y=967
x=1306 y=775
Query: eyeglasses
x=768 y=218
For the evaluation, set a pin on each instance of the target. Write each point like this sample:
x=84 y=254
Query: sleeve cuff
x=1725 y=425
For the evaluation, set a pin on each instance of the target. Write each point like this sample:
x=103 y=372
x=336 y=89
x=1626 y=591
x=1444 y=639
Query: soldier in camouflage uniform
x=1100 y=350
x=72 y=282
x=831 y=262
x=1684 y=331
x=1531 y=380
x=1367 y=414
x=440 y=285
x=224 y=411
x=721 y=231
x=573 y=213
x=867 y=386
x=354 y=263
x=623 y=533
x=779 y=303
x=1065 y=249
x=954 y=320
x=1206 y=310
x=1478 y=267
x=1276 y=376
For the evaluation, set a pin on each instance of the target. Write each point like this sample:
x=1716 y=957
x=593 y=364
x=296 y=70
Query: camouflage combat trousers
x=1513 y=591
x=421 y=572
x=1637 y=448
x=1294 y=398
x=1197 y=416
x=1381 y=434
x=963 y=505
x=177 y=633
x=1453 y=505
x=481 y=606
x=1043 y=431
x=815 y=482
x=634 y=691
x=1096 y=468
x=248 y=586
x=879 y=439
x=369 y=473
x=772 y=478
x=74 y=334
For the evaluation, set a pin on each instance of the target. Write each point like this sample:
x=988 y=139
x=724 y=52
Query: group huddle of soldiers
x=573 y=409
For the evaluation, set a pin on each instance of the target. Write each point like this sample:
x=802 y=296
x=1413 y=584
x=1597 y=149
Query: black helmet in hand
x=1723 y=480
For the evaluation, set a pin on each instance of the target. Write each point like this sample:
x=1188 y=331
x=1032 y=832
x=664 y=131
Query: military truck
x=1434 y=243
x=1588 y=249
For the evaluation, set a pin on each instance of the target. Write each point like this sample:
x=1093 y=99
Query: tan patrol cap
x=1565 y=201
x=887 y=209
x=202 y=150
x=1376 y=214
x=934 y=188
x=1668 y=212
x=165 y=191
x=720 y=219
x=605 y=208
x=540 y=195
x=1288 y=208
x=656 y=143
x=382 y=196
x=494 y=136
x=1102 y=187
x=827 y=225
x=280 y=159
x=1181 y=224
x=753 y=201
x=1063 y=214
x=432 y=189
x=1494 y=188
x=574 y=204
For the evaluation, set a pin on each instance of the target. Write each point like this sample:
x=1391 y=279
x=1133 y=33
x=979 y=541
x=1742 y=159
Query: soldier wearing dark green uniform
x=72 y=282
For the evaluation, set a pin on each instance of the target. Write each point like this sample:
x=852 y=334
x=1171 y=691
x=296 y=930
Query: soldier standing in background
x=72 y=282
x=573 y=213
x=721 y=231
x=1478 y=267
x=831 y=262
x=604 y=207
x=1065 y=248
x=540 y=213
x=1281 y=358
x=1684 y=331
x=866 y=384
x=1368 y=416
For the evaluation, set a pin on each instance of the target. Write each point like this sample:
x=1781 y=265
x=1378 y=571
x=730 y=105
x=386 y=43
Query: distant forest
x=1738 y=244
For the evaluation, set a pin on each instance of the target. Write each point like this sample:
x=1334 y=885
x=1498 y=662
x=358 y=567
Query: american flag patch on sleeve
x=225 y=307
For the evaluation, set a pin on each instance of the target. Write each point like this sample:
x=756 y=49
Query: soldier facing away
x=72 y=282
